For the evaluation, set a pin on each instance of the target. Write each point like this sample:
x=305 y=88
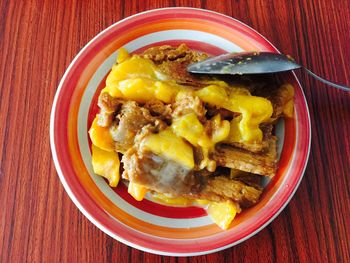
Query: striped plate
x=148 y=225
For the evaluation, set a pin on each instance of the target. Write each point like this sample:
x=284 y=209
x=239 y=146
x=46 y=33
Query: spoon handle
x=338 y=86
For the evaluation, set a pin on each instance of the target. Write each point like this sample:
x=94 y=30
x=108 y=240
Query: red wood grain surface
x=38 y=221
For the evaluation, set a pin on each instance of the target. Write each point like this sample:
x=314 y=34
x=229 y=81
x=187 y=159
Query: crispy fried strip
x=264 y=163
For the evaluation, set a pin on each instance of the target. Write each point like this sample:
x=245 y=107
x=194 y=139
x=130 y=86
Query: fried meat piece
x=220 y=188
x=187 y=104
x=173 y=62
x=159 y=109
x=131 y=119
x=257 y=147
x=166 y=176
x=157 y=173
x=109 y=107
x=264 y=163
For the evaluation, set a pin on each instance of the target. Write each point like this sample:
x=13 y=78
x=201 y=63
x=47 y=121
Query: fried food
x=188 y=137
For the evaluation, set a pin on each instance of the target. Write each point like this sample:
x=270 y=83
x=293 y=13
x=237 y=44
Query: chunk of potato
x=188 y=127
x=106 y=164
x=222 y=213
x=123 y=55
x=101 y=137
x=137 y=191
x=213 y=94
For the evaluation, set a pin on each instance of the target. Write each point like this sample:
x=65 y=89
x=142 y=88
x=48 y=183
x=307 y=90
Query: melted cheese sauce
x=136 y=78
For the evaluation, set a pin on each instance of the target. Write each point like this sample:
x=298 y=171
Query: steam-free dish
x=161 y=224
x=187 y=139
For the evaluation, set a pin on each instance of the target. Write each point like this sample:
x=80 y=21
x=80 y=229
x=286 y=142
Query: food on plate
x=187 y=139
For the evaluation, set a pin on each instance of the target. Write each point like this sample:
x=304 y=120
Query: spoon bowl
x=253 y=63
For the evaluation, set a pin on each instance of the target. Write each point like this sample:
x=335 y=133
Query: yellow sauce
x=162 y=198
x=254 y=110
x=136 y=78
x=167 y=144
x=191 y=129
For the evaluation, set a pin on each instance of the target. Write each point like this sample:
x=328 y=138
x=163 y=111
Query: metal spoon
x=252 y=63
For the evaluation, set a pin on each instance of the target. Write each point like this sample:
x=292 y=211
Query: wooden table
x=38 y=221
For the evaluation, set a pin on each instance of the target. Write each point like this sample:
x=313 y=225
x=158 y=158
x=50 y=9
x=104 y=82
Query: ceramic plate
x=148 y=225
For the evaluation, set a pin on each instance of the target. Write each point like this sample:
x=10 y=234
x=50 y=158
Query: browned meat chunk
x=188 y=104
x=220 y=188
x=132 y=118
x=280 y=98
x=159 y=109
x=165 y=176
x=160 y=54
x=258 y=163
x=173 y=62
x=250 y=179
x=157 y=173
x=109 y=106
